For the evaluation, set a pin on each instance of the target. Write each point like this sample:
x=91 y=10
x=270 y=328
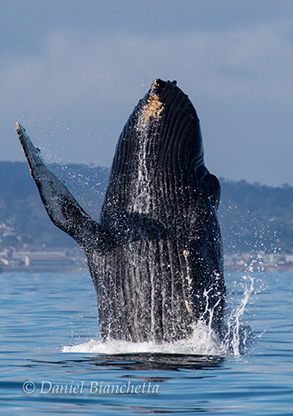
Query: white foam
x=202 y=342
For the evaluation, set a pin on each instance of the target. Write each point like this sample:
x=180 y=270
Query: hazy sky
x=71 y=71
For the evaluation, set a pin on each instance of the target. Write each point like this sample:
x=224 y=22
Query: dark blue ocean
x=52 y=361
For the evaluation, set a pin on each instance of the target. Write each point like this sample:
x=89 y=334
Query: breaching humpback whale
x=155 y=255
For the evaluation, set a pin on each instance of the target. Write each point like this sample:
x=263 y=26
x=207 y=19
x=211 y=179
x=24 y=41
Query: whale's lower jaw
x=144 y=292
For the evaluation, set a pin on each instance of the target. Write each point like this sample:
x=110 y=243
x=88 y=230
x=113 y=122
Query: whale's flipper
x=63 y=209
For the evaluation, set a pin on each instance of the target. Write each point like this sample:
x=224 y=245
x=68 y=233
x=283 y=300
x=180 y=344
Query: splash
x=200 y=343
x=234 y=341
x=149 y=117
x=237 y=336
x=141 y=201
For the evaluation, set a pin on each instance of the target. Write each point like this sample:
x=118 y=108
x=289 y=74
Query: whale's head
x=158 y=171
x=167 y=116
x=158 y=166
x=164 y=130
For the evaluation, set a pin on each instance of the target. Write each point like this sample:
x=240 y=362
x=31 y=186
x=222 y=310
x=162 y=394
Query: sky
x=71 y=73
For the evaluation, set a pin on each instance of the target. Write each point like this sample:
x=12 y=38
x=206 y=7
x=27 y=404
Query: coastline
x=62 y=260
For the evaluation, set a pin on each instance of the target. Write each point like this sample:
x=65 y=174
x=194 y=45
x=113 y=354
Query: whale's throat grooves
x=151 y=284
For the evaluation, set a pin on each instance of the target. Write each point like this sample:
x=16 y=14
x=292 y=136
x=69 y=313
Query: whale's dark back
x=162 y=270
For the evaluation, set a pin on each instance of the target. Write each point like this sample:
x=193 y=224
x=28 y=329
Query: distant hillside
x=253 y=217
x=256 y=217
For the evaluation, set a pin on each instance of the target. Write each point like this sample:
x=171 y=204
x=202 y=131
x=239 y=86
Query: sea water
x=53 y=362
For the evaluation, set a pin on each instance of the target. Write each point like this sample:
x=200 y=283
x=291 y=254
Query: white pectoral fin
x=62 y=207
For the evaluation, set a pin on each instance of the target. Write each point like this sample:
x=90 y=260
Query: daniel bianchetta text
x=89 y=387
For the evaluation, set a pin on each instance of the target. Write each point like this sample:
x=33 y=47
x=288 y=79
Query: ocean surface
x=52 y=361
